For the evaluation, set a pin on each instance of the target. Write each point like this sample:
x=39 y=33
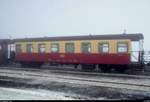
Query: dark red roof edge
x=5 y=41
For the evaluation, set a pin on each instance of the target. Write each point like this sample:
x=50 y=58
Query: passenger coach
x=91 y=51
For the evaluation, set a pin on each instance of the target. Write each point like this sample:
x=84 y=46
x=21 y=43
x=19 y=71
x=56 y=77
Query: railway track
x=133 y=84
x=68 y=71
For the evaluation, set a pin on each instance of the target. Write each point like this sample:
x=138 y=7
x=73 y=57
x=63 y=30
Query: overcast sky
x=39 y=18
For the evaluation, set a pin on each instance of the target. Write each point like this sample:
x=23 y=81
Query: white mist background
x=40 y=18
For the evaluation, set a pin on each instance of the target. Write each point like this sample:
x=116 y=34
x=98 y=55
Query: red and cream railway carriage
x=91 y=51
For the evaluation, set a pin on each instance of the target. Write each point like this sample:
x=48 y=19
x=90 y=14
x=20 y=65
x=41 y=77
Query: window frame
x=99 y=47
x=66 y=47
x=27 y=48
x=39 y=51
x=20 y=48
x=82 y=47
x=122 y=43
x=0 y=47
x=52 y=47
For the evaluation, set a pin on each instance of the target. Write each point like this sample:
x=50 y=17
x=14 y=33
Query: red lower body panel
x=74 y=58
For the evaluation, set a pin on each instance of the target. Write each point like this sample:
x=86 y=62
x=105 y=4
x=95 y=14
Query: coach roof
x=2 y=41
x=132 y=37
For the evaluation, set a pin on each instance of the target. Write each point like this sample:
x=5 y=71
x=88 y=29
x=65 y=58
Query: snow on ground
x=32 y=94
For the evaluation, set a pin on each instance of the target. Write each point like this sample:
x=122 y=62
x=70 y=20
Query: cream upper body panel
x=77 y=45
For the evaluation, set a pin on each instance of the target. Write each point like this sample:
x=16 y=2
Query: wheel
x=31 y=64
x=121 y=69
x=75 y=66
x=24 y=64
x=35 y=65
x=105 y=68
x=88 y=67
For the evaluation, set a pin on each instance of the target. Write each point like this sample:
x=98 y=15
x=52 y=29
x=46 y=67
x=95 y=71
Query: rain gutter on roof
x=132 y=37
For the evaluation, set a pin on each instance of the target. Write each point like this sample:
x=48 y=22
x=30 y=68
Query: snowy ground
x=41 y=85
x=32 y=94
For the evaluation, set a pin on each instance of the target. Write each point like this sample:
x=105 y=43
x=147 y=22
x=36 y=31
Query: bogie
x=31 y=64
x=86 y=67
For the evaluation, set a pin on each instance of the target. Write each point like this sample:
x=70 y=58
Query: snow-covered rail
x=140 y=84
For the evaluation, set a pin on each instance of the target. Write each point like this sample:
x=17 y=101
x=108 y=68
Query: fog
x=40 y=18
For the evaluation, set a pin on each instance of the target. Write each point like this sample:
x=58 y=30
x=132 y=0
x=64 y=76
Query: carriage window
x=54 y=47
x=0 y=47
x=41 y=48
x=29 y=48
x=86 y=47
x=103 y=47
x=18 y=48
x=122 y=47
x=69 y=47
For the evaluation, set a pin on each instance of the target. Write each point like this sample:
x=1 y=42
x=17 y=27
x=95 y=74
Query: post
x=141 y=55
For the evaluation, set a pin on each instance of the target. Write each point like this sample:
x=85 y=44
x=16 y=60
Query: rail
x=128 y=84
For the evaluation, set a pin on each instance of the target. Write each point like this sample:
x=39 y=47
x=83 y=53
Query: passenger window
x=69 y=47
x=55 y=47
x=103 y=47
x=18 y=48
x=122 y=47
x=0 y=47
x=86 y=47
x=41 y=48
x=29 y=48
